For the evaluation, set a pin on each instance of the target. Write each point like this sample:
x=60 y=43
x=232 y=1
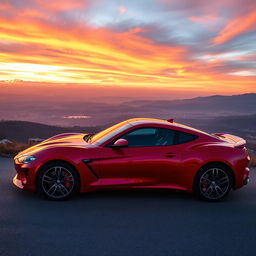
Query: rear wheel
x=213 y=182
x=57 y=181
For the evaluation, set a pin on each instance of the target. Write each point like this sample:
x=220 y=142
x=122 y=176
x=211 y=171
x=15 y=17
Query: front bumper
x=17 y=182
x=25 y=177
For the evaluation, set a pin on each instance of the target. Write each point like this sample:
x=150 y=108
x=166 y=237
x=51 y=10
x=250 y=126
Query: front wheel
x=57 y=181
x=213 y=182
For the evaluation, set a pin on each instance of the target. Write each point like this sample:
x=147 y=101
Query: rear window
x=183 y=137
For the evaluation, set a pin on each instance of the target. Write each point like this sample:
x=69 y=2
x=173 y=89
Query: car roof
x=138 y=121
x=152 y=121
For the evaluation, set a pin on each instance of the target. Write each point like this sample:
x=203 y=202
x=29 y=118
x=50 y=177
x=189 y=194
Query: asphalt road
x=125 y=223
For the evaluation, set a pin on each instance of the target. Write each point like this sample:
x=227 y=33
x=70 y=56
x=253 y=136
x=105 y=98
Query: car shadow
x=160 y=195
x=137 y=194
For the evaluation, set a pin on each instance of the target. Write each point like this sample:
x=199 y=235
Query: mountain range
x=67 y=112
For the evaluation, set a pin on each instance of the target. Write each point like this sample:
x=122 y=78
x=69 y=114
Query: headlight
x=26 y=159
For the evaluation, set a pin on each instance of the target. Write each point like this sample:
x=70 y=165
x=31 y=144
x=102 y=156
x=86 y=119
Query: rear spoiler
x=235 y=140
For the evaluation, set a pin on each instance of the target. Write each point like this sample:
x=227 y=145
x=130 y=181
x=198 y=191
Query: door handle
x=170 y=154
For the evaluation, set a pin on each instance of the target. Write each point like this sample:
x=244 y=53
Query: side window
x=149 y=137
x=142 y=131
x=183 y=137
x=141 y=137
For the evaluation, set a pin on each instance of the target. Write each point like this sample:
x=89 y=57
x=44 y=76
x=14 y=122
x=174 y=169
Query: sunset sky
x=202 y=46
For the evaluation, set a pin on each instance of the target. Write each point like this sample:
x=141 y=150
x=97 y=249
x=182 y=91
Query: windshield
x=104 y=135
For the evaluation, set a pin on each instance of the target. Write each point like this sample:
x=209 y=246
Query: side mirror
x=120 y=143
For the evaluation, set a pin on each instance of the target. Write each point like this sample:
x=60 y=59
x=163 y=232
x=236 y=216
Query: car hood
x=60 y=140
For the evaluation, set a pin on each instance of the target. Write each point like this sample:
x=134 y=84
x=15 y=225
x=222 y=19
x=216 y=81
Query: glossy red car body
x=101 y=166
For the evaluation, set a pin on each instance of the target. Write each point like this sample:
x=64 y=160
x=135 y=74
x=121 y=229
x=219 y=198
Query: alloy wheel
x=57 y=182
x=214 y=183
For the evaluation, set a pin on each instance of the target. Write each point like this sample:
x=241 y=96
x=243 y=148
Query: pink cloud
x=4 y=6
x=236 y=27
x=203 y=18
x=121 y=10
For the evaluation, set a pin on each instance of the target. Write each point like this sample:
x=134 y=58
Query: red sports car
x=137 y=153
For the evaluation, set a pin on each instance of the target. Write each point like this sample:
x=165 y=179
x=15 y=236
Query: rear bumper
x=246 y=177
x=243 y=178
x=247 y=180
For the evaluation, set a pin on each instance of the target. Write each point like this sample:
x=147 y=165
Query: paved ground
x=125 y=223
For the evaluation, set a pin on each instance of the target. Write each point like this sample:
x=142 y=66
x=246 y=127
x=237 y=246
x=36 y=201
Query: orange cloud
x=99 y=55
x=121 y=10
x=41 y=50
x=235 y=27
x=62 y=5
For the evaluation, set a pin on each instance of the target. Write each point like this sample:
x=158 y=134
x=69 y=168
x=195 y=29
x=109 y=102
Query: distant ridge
x=55 y=112
x=242 y=103
x=21 y=131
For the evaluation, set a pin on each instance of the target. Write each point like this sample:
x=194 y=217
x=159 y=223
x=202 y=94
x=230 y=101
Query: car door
x=151 y=159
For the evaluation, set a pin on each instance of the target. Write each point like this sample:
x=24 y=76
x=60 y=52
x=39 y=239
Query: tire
x=57 y=181
x=213 y=182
